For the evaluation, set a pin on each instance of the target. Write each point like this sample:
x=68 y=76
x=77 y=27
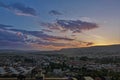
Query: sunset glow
x=58 y=24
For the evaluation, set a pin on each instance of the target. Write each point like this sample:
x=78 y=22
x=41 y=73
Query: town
x=59 y=65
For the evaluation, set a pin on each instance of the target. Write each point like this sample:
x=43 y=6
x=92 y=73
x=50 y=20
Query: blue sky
x=57 y=24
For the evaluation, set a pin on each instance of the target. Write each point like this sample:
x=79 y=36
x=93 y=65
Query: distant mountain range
x=95 y=51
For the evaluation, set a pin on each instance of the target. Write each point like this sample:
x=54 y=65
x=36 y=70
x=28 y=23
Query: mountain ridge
x=93 y=51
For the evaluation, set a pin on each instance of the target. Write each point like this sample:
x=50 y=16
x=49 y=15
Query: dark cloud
x=42 y=35
x=56 y=38
x=55 y=12
x=5 y=26
x=34 y=33
x=43 y=39
x=50 y=43
x=23 y=38
x=46 y=30
x=89 y=43
x=51 y=26
x=5 y=44
x=11 y=36
x=76 y=26
x=19 y=9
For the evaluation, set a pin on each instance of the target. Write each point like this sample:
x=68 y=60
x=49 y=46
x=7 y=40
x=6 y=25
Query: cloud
x=50 y=43
x=42 y=35
x=35 y=39
x=5 y=44
x=76 y=26
x=6 y=34
x=56 y=38
x=5 y=26
x=89 y=43
x=46 y=30
x=20 y=9
x=87 y=19
x=55 y=12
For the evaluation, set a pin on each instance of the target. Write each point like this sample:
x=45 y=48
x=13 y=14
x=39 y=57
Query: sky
x=58 y=24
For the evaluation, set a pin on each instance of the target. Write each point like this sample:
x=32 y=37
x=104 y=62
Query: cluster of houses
x=14 y=71
x=8 y=65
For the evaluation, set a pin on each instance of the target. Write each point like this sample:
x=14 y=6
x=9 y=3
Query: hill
x=95 y=51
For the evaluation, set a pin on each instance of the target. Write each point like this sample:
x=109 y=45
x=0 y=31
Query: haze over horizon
x=58 y=24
